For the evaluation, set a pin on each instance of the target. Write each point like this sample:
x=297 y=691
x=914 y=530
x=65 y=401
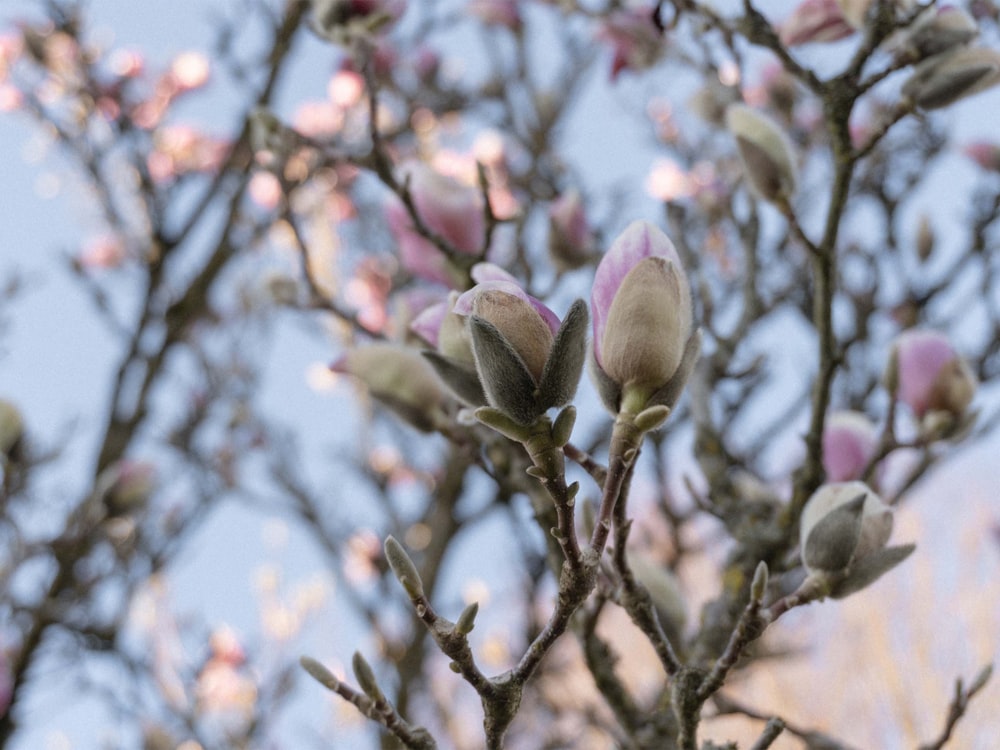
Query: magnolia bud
x=636 y=42
x=452 y=356
x=814 y=21
x=944 y=79
x=126 y=486
x=527 y=362
x=843 y=534
x=937 y=30
x=986 y=155
x=366 y=677
x=766 y=153
x=448 y=208
x=569 y=233
x=930 y=375
x=400 y=378
x=849 y=443
x=340 y=20
x=644 y=340
x=404 y=568
x=320 y=673
x=664 y=591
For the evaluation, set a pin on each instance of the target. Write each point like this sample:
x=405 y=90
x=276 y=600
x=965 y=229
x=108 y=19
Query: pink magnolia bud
x=635 y=40
x=644 y=338
x=418 y=255
x=518 y=321
x=569 y=232
x=944 y=79
x=448 y=208
x=527 y=361
x=986 y=155
x=400 y=378
x=930 y=375
x=849 y=443
x=814 y=21
x=766 y=153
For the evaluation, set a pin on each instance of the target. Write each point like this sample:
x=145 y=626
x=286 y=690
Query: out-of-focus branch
x=958 y=706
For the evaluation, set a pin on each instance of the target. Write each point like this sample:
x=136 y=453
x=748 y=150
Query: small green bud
x=404 y=568
x=318 y=672
x=562 y=428
x=503 y=424
x=366 y=677
x=467 y=620
x=651 y=417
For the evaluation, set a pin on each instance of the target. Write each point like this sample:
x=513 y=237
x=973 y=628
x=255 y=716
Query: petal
x=427 y=324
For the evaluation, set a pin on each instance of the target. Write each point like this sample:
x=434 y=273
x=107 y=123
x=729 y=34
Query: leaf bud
x=404 y=569
x=320 y=673
x=467 y=620
x=366 y=677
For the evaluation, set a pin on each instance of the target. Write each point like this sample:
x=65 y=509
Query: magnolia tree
x=779 y=346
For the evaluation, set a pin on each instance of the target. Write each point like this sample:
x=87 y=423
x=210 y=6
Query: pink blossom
x=346 y=87
x=226 y=646
x=484 y=272
x=189 y=70
x=11 y=48
x=182 y=148
x=496 y=13
x=126 y=63
x=930 y=375
x=417 y=255
x=318 y=119
x=666 y=181
x=570 y=237
x=815 y=21
x=427 y=323
x=446 y=207
x=635 y=41
x=104 y=251
x=986 y=155
x=11 y=98
x=849 y=443
x=265 y=190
